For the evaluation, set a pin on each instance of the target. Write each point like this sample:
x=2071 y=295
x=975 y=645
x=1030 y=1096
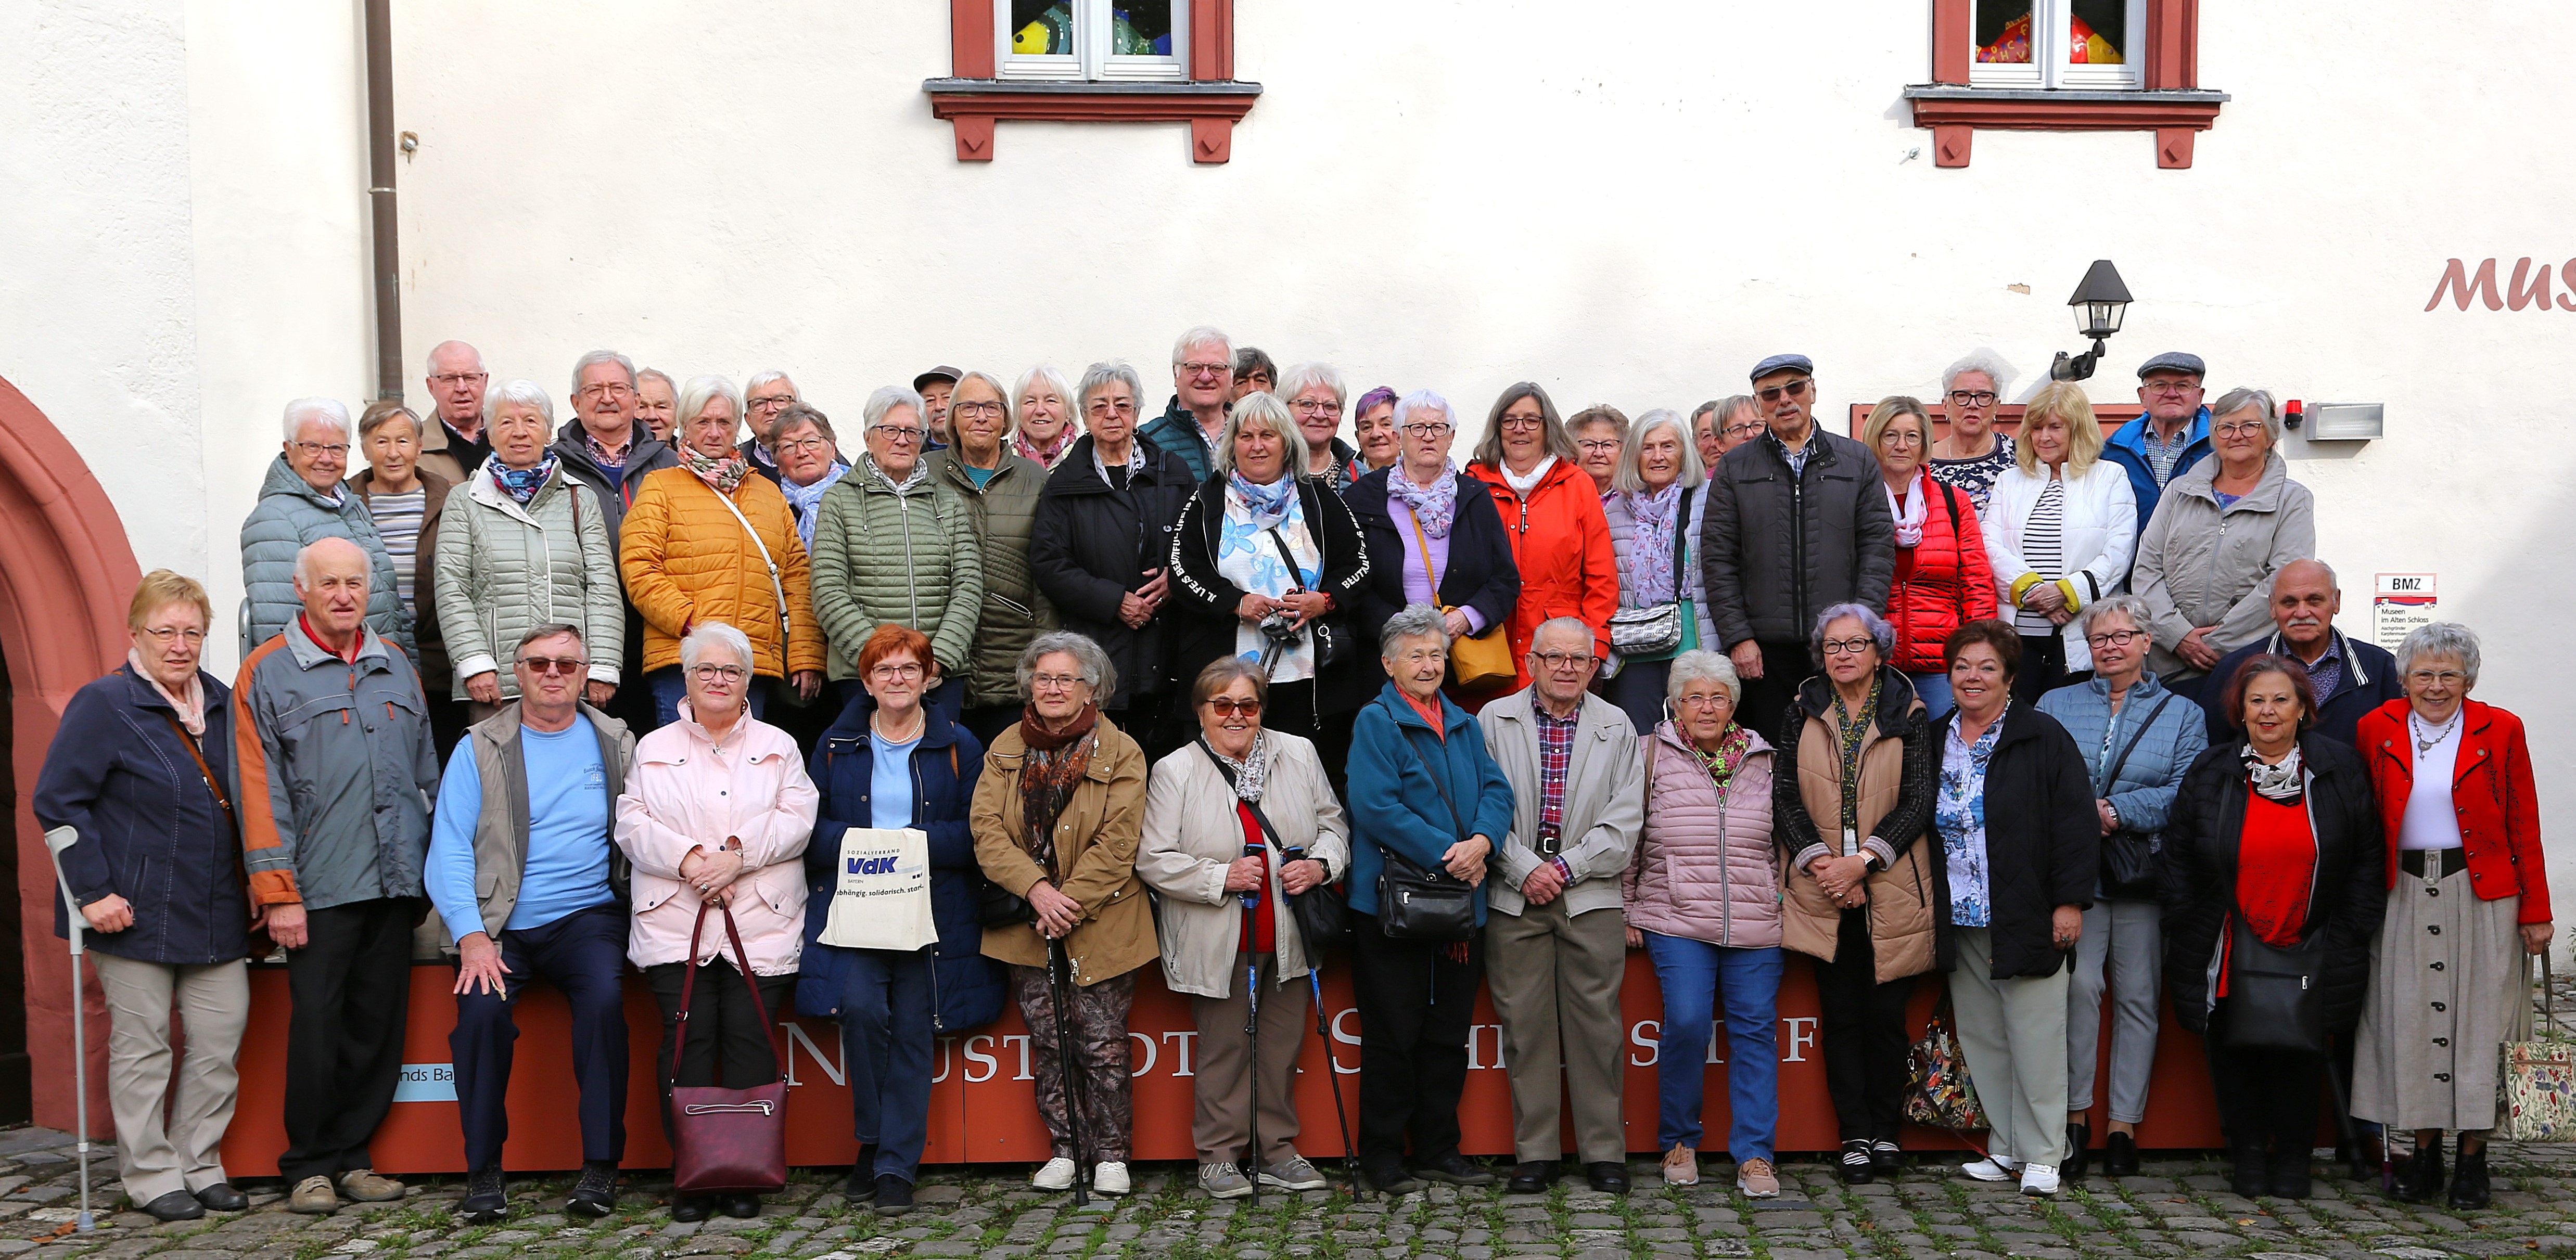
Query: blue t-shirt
x=568 y=842
x=980 y=476
x=890 y=782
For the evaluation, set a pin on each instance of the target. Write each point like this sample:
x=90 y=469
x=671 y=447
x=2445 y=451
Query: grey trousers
x=1221 y=1123
x=1555 y=983
x=2014 y=1034
x=2125 y=938
x=156 y=1155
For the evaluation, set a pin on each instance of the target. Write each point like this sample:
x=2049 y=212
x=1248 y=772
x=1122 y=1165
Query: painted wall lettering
x=2526 y=288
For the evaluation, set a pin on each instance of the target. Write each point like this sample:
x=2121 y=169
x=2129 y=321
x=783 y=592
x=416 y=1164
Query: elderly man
x=763 y=397
x=1797 y=522
x=2351 y=677
x=455 y=445
x=1203 y=386
x=1972 y=454
x=301 y=501
x=936 y=387
x=603 y=446
x=334 y=768
x=1254 y=373
x=520 y=868
x=657 y=403
x=2173 y=435
x=1556 y=942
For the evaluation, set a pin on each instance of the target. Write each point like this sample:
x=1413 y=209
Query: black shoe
x=2291 y=1177
x=2469 y=1178
x=742 y=1206
x=1885 y=1156
x=1390 y=1179
x=1608 y=1176
x=1456 y=1169
x=487 y=1197
x=221 y=1197
x=894 y=1195
x=2079 y=1148
x=1531 y=1177
x=2366 y=1156
x=2420 y=1178
x=595 y=1194
x=2119 y=1156
x=1858 y=1162
x=861 y=1185
x=178 y=1205
x=2252 y=1177
x=692 y=1207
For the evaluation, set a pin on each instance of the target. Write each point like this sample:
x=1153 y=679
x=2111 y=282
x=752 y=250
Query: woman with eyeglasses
x=1432 y=533
x=1600 y=432
x=1314 y=393
x=1942 y=579
x=1655 y=507
x=999 y=488
x=718 y=810
x=2468 y=906
x=1373 y=429
x=1972 y=454
x=1722 y=425
x=2222 y=529
x=894 y=544
x=1551 y=513
x=2059 y=528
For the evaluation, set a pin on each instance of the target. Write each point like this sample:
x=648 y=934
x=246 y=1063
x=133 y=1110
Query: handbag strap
x=1455 y=823
x=1681 y=537
x=1423 y=549
x=1298 y=574
x=1227 y=772
x=775 y=588
x=689 y=980
x=204 y=772
x=2111 y=776
x=2548 y=999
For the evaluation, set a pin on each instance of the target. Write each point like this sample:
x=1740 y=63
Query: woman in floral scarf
x=1655 y=493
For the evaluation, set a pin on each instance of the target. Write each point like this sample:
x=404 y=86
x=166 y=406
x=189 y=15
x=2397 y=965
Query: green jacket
x=1014 y=612
x=908 y=556
x=503 y=568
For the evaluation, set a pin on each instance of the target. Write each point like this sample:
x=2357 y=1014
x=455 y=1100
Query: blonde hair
x=161 y=588
x=2064 y=401
x=1885 y=414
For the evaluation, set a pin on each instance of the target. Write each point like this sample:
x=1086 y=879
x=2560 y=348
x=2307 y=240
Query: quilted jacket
x=1942 y=582
x=504 y=568
x=289 y=515
x=687 y=560
x=1004 y=512
x=910 y=557
x=1706 y=869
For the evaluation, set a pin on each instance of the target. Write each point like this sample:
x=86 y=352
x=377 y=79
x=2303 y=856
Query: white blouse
x=2431 y=821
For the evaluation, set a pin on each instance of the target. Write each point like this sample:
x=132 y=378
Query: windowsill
x=1211 y=108
x=1954 y=112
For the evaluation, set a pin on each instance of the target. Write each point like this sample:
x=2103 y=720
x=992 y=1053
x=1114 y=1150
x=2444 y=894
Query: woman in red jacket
x=2468 y=906
x=1942 y=579
x=1552 y=512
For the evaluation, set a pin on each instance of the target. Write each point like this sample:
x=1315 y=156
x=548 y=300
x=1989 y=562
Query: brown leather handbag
x=725 y=1141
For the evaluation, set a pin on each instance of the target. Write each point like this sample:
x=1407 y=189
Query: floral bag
x=2536 y=1082
x=1938 y=1093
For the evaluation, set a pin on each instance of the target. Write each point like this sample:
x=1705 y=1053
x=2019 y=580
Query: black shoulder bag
x=1424 y=905
x=2129 y=855
x=1323 y=916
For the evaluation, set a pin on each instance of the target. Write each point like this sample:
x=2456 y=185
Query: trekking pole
x=1058 y=980
x=1332 y=1071
x=1252 y=1006
x=57 y=840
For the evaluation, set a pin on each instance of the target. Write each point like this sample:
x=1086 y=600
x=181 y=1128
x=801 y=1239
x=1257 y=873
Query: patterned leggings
x=1099 y=1015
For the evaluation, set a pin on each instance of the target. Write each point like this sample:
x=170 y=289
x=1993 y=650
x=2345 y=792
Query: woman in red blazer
x=2468 y=906
x=1552 y=511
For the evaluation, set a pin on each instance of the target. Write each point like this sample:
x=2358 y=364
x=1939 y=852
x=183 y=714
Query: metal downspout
x=378 y=21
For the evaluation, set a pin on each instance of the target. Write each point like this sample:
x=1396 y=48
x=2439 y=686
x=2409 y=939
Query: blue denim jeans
x=1934 y=689
x=1695 y=976
x=669 y=689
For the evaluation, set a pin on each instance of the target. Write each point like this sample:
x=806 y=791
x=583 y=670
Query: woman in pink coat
x=1703 y=901
x=718 y=810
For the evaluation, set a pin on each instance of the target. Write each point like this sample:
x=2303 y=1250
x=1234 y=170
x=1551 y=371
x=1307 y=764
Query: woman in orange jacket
x=1552 y=513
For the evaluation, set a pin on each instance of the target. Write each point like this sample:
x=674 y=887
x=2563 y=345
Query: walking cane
x=1252 y=1010
x=1058 y=980
x=57 y=840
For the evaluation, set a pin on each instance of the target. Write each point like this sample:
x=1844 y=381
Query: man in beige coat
x=1555 y=942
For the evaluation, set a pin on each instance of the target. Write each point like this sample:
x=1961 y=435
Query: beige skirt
x=2449 y=982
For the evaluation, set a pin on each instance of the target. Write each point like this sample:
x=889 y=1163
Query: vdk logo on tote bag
x=883 y=901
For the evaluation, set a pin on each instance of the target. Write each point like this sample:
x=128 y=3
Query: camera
x=1281 y=628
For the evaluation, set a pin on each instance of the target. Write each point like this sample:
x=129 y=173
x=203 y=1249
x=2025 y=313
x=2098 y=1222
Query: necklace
x=920 y=722
x=2425 y=743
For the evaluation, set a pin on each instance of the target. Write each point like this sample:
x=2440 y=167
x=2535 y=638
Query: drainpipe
x=380 y=196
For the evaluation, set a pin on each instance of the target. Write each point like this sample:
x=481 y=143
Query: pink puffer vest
x=1705 y=869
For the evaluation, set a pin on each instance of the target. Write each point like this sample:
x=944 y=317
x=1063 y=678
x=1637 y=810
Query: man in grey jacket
x=1797 y=522
x=333 y=771
x=1556 y=940
x=302 y=500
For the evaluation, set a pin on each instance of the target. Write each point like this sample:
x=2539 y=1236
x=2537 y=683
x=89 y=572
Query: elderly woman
x=999 y=488
x=2468 y=904
x=1600 y=432
x=1703 y=899
x=1374 y=429
x=1851 y=888
x=2019 y=838
x=717 y=813
x=891 y=765
x=1236 y=823
x=2273 y=845
x=894 y=544
x=1654 y=510
x=302 y=501
x=1101 y=545
x=2137 y=738
x=526 y=546
x=657 y=403
x=1551 y=511
x=1043 y=423
x=2059 y=525
x=1057 y=816
x=1315 y=394
x=1972 y=455
x=138 y=768
x=406 y=502
x=1943 y=580
x=2222 y=529
x=1427 y=795
x=1265 y=563
x=1720 y=425
x=707 y=541
x=1431 y=532
x=809 y=463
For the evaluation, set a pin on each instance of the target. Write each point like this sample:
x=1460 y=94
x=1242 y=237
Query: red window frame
x=2173 y=105
x=2007 y=418
x=973 y=99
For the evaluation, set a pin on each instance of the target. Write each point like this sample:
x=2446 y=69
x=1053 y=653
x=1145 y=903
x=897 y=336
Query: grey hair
x=991 y=382
x=2333 y=583
x=883 y=402
x=597 y=357
x=1702 y=410
x=2441 y=638
x=1416 y=621
x=1304 y=376
x=1631 y=476
x=1732 y=403
x=1046 y=374
x=1254 y=411
x=1099 y=375
x=1087 y=657
x=1424 y=400
x=1203 y=335
x=429 y=364
x=1575 y=625
x=705 y=634
x=548 y=630
x=700 y=391
x=1979 y=360
x=2236 y=400
x=524 y=393
x=1698 y=664
x=2133 y=607
x=304 y=557
x=797 y=413
x=770 y=377
x=659 y=375
x=327 y=410
x=1881 y=633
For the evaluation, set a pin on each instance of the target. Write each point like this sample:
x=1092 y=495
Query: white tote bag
x=883 y=899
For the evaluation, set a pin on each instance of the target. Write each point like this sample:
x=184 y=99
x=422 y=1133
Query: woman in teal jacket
x=1423 y=787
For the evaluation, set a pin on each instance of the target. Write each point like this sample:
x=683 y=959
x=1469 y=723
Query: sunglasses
x=548 y=665
x=1792 y=389
x=1227 y=706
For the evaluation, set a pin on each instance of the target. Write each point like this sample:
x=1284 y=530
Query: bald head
x=331 y=580
x=2304 y=604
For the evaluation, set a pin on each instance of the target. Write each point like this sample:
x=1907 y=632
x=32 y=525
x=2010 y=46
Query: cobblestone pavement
x=2179 y=1208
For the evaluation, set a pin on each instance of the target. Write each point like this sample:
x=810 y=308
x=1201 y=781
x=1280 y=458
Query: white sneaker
x=1057 y=1175
x=1997 y=1170
x=1111 y=1178
x=2039 y=1181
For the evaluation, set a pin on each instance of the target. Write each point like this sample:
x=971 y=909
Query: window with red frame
x=1092 y=61
x=2065 y=65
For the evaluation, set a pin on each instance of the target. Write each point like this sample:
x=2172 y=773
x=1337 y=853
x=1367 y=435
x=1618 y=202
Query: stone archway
x=66 y=573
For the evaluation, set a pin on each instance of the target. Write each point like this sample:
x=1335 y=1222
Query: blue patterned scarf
x=1266 y=505
x=522 y=484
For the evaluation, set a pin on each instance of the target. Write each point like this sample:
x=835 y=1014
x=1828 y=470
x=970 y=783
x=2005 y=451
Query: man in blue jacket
x=2352 y=678
x=2173 y=435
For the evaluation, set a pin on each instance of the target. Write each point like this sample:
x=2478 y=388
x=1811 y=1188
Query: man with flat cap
x=1797 y=522
x=2173 y=435
x=935 y=386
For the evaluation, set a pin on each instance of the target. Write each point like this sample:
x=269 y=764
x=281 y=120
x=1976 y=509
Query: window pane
x=1141 y=28
x=2003 y=31
x=2101 y=27
x=1042 y=27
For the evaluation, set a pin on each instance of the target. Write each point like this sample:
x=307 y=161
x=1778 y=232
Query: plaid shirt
x=1555 y=759
x=2163 y=455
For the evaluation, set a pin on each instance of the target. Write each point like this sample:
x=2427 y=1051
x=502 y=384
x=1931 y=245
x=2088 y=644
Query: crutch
x=1058 y=980
x=57 y=840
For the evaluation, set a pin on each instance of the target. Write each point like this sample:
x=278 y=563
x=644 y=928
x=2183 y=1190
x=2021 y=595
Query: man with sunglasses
x=521 y=869
x=1202 y=390
x=1797 y=522
x=2172 y=436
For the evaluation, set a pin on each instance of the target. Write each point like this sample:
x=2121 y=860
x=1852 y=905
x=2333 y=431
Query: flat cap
x=941 y=373
x=1784 y=363
x=2174 y=361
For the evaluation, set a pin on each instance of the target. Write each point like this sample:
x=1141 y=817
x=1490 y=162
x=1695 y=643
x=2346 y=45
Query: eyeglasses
x=450 y=380
x=1900 y=437
x=548 y=665
x=611 y=389
x=1517 y=423
x=2428 y=677
x=2171 y=389
x=770 y=402
x=1054 y=682
x=710 y=673
x=1426 y=431
x=1712 y=700
x=1849 y=647
x=803 y=446
x=1104 y=407
x=1744 y=430
x=1789 y=389
x=163 y=634
x=1205 y=369
x=891 y=673
x=2115 y=638
x=1975 y=398
x=896 y=432
x=1420 y=656
x=1228 y=706
x=316 y=450
x=1600 y=446
x=1316 y=407
x=1562 y=660
x=956 y=409
x=2247 y=428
